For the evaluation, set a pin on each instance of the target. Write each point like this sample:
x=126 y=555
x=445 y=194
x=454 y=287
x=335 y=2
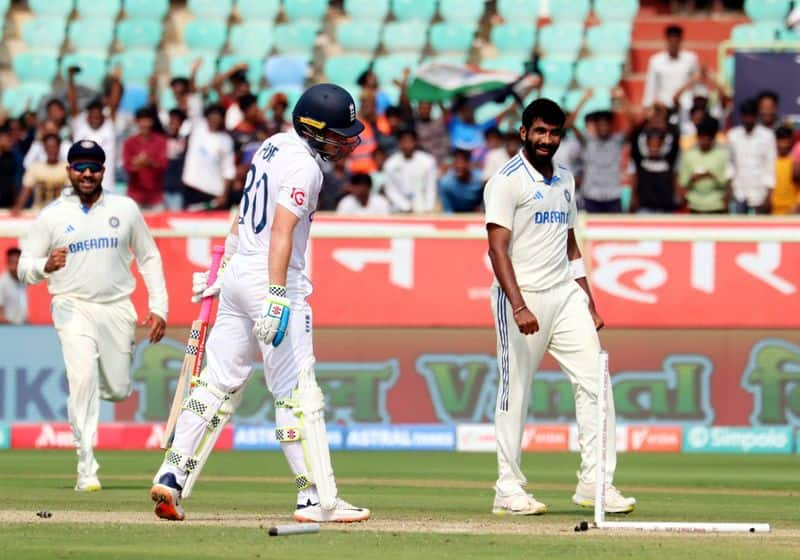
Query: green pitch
x=425 y=505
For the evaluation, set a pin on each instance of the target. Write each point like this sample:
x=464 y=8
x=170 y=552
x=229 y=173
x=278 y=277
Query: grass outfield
x=425 y=505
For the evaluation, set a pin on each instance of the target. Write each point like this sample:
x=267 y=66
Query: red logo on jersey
x=298 y=196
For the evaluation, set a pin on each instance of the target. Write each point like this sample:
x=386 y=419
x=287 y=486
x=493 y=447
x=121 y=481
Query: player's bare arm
x=579 y=274
x=499 y=239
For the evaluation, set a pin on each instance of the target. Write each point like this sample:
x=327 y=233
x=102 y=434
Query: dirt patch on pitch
x=538 y=526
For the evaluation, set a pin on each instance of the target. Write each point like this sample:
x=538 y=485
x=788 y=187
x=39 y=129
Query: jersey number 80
x=250 y=200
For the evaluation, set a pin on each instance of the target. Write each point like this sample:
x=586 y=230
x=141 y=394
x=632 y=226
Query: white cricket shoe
x=88 y=484
x=344 y=512
x=166 y=493
x=615 y=501
x=518 y=504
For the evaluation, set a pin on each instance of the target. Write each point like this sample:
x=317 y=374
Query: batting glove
x=271 y=325
x=200 y=287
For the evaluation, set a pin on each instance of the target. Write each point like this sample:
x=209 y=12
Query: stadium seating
x=91 y=34
x=759 y=33
x=458 y=59
x=92 y=9
x=296 y=38
x=262 y=10
x=609 y=39
x=556 y=71
x=146 y=9
x=251 y=38
x=306 y=10
x=390 y=67
x=51 y=8
x=255 y=66
x=137 y=65
x=419 y=10
x=788 y=35
x=616 y=10
x=509 y=63
x=362 y=35
x=512 y=38
x=767 y=10
x=345 y=68
x=519 y=10
x=405 y=36
x=180 y=65
x=205 y=35
x=562 y=39
x=211 y=9
x=451 y=37
x=468 y=12
x=4 y=5
x=374 y=10
x=599 y=101
x=44 y=32
x=292 y=95
x=25 y=96
x=139 y=33
x=554 y=93
x=599 y=72
x=574 y=10
x=286 y=70
x=35 y=66
x=93 y=67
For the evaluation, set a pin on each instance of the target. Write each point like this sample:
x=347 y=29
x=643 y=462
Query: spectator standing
x=704 y=172
x=44 y=179
x=752 y=148
x=94 y=124
x=493 y=140
x=368 y=81
x=379 y=175
x=461 y=188
x=786 y=195
x=360 y=159
x=768 y=109
x=465 y=133
x=13 y=296
x=411 y=176
x=498 y=157
x=361 y=201
x=10 y=169
x=278 y=104
x=36 y=153
x=56 y=112
x=654 y=183
x=335 y=179
x=432 y=133
x=144 y=156
x=668 y=70
x=187 y=98
x=210 y=164
x=176 y=156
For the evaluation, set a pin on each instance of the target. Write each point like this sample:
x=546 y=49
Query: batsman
x=541 y=303
x=263 y=310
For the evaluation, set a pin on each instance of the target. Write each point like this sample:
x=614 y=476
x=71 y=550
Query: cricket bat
x=193 y=356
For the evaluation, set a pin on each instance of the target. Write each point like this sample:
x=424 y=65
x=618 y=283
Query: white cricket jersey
x=538 y=213
x=283 y=171
x=102 y=240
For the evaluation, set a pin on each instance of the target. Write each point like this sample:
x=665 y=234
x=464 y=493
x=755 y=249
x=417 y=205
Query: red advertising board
x=411 y=278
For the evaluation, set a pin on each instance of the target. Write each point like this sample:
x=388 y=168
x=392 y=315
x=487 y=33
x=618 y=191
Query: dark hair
x=214 y=108
x=144 y=113
x=673 y=31
x=512 y=135
x=655 y=133
x=95 y=105
x=56 y=101
x=246 y=101
x=407 y=131
x=5 y=128
x=179 y=81
x=544 y=109
x=748 y=107
x=11 y=251
x=362 y=78
x=177 y=113
x=492 y=130
x=601 y=116
x=784 y=132
x=239 y=77
x=708 y=127
x=361 y=179
x=769 y=94
x=47 y=137
x=462 y=153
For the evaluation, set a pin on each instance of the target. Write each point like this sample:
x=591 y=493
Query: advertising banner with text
x=449 y=376
x=418 y=272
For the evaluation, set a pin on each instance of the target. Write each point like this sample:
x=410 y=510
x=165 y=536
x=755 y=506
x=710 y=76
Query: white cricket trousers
x=97 y=343
x=567 y=331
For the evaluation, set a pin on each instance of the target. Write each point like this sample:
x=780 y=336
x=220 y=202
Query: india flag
x=437 y=82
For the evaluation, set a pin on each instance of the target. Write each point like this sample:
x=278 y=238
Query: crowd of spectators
x=680 y=153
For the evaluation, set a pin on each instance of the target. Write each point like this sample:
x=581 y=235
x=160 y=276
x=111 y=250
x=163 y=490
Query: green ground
x=425 y=505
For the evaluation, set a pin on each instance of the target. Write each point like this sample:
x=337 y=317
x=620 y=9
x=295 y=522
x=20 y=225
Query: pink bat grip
x=208 y=302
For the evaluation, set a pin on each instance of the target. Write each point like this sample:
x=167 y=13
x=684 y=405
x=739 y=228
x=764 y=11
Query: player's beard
x=85 y=192
x=535 y=155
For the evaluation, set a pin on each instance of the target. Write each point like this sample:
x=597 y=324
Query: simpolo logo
x=739 y=440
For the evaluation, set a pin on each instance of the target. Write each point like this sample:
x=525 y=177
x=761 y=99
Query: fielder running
x=81 y=243
x=263 y=308
x=541 y=302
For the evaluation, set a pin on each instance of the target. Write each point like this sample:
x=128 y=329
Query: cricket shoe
x=615 y=501
x=344 y=512
x=88 y=484
x=166 y=493
x=518 y=504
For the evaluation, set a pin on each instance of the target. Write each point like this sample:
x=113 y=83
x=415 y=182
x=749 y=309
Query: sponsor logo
x=538 y=196
x=91 y=244
x=551 y=217
x=476 y=438
x=298 y=196
x=113 y=221
x=702 y=439
x=42 y=436
x=621 y=438
x=275 y=310
x=352 y=109
x=545 y=438
x=658 y=439
x=69 y=229
x=408 y=437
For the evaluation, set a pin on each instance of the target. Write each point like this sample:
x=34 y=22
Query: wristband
x=518 y=309
x=578 y=269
